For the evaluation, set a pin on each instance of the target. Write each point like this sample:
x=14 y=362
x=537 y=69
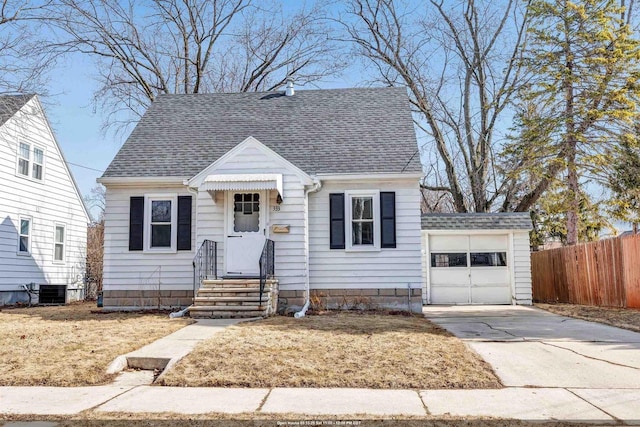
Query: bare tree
x=95 y=200
x=190 y=46
x=460 y=63
x=23 y=60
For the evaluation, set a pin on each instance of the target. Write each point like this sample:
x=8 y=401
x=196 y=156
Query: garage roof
x=477 y=221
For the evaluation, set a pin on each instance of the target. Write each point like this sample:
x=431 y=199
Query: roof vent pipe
x=290 y=90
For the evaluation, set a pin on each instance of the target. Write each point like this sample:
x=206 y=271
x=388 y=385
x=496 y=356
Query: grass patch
x=626 y=318
x=339 y=350
x=69 y=345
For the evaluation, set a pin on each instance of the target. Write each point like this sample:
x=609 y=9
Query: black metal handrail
x=267 y=260
x=205 y=264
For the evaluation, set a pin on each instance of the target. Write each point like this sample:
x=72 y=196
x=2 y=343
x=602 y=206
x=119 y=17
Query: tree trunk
x=574 y=196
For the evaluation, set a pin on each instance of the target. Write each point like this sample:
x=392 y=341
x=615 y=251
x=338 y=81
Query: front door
x=245 y=232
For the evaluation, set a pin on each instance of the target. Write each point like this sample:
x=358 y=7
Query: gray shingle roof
x=365 y=130
x=477 y=221
x=10 y=104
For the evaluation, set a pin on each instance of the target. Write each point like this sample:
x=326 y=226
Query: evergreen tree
x=586 y=67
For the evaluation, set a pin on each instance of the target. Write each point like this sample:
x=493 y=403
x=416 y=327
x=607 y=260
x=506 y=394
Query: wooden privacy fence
x=604 y=273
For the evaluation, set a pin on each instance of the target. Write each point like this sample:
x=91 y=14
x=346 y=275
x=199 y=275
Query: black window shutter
x=184 y=223
x=388 y=219
x=336 y=221
x=136 y=223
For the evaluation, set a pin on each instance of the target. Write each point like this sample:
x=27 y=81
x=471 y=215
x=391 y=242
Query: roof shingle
x=367 y=130
x=10 y=104
x=477 y=221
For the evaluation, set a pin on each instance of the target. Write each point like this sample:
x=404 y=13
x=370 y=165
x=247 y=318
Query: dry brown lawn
x=337 y=350
x=70 y=345
x=627 y=318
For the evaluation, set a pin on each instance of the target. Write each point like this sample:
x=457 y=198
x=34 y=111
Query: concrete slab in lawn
x=175 y=346
x=343 y=401
x=55 y=400
x=626 y=354
x=620 y=403
x=515 y=403
x=187 y=400
x=541 y=365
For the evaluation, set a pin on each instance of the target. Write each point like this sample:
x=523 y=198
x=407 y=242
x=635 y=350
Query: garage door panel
x=448 y=243
x=450 y=276
x=488 y=243
x=490 y=294
x=450 y=295
x=488 y=276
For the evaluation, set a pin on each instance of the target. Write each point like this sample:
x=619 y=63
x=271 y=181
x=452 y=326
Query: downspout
x=185 y=310
x=317 y=184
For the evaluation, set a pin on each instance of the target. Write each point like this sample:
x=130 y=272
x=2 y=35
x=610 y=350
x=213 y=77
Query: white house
x=477 y=258
x=305 y=194
x=43 y=221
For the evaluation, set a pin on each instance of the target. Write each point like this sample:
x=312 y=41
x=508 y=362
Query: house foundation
x=404 y=299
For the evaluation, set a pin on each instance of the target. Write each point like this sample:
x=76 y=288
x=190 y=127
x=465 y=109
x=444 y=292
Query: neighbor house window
x=30 y=161
x=450 y=259
x=363 y=229
x=24 y=235
x=38 y=161
x=58 y=243
x=24 y=155
x=488 y=259
x=161 y=222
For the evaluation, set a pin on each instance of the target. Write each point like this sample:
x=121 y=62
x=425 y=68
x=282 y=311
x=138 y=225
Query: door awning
x=243 y=182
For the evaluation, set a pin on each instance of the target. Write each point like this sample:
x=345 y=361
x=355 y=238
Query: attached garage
x=476 y=258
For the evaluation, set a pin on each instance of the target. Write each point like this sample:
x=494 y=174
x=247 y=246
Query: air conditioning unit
x=53 y=294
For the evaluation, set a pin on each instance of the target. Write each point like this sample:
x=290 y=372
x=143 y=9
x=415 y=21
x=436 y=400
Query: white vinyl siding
x=53 y=200
x=142 y=270
x=385 y=268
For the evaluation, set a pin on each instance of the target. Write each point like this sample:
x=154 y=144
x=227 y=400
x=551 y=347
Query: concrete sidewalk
x=576 y=405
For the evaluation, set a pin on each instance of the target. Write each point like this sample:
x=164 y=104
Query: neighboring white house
x=329 y=176
x=43 y=221
x=477 y=258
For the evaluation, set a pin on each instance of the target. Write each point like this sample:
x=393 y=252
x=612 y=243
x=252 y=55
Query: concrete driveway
x=529 y=347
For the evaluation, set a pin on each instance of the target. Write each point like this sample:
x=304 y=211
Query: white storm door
x=245 y=235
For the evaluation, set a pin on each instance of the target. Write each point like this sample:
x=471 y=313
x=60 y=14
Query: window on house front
x=362 y=221
x=450 y=259
x=161 y=223
x=362 y=228
x=30 y=161
x=246 y=212
x=58 y=245
x=24 y=235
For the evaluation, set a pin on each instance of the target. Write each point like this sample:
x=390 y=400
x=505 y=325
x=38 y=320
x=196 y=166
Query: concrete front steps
x=234 y=298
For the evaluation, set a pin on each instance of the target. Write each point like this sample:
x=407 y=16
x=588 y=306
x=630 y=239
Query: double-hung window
x=24 y=158
x=38 y=163
x=30 y=161
x=363 y=228
x=24 y=235
x=161 y=220
x=59 y=243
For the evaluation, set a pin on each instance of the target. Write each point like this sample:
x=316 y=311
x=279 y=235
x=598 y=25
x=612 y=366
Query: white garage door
x=469 y=269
